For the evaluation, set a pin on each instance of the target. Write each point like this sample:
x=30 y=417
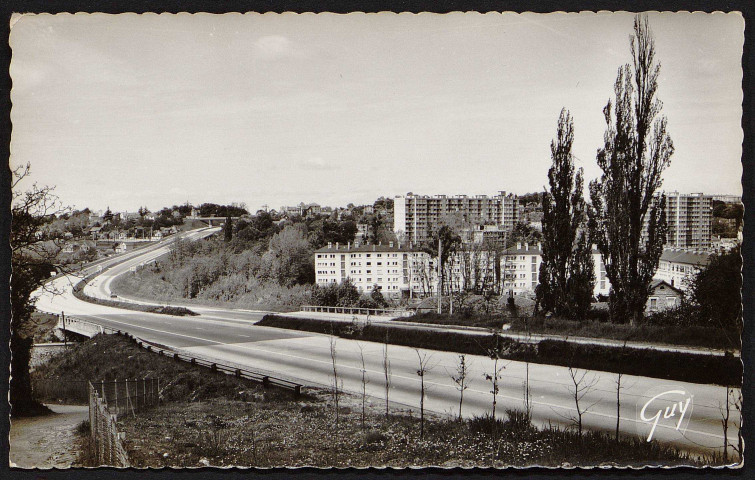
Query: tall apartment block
x=417 y=215
x=689 y=218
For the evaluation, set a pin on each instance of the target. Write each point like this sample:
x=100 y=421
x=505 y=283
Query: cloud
x=273 y=46
x=317 y=163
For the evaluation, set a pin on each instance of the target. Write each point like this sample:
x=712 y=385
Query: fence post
x=144 y=392
x=102 y=385
x=115 y=382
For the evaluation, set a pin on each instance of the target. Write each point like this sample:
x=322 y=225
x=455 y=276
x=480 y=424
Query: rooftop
x=685 y=256
x=357 y=247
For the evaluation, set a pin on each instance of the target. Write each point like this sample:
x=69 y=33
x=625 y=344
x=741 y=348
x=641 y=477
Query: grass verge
x=686 y=367
x=693 y=336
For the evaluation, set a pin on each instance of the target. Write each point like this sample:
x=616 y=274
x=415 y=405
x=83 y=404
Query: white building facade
x=678 y=267
x=393 y=268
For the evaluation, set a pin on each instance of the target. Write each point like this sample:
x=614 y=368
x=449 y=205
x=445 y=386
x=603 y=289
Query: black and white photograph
x=277 y=240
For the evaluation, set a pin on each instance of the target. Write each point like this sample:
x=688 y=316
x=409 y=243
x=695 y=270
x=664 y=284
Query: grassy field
x=210 y=419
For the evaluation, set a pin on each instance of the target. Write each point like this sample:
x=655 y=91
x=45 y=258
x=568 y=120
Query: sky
x=155 y=110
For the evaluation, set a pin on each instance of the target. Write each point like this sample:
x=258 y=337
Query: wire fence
x=105 y=441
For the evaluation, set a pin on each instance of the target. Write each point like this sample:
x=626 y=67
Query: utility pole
x=440 y=275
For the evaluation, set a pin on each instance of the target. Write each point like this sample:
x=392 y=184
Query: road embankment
x=686 y=367
x=78 y=292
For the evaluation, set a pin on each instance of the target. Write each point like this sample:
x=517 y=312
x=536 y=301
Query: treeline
x=259 y=263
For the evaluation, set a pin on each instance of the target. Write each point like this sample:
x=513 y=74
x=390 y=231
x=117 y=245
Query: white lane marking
x=245 y=347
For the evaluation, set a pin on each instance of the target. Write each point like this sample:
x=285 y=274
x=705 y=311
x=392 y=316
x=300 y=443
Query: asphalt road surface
x=230 y=336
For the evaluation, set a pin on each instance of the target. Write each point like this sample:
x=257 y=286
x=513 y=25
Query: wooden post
x=116 y=396
x=144 y=392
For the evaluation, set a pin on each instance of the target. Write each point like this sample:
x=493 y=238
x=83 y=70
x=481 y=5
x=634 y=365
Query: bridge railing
x=380 y=312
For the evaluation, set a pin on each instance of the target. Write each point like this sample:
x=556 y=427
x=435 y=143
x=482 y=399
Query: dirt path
x=46 y=441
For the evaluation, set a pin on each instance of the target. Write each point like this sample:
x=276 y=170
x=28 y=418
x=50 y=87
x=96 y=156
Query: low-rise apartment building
x=392 y=267
x=678 y=267
x=521 y=270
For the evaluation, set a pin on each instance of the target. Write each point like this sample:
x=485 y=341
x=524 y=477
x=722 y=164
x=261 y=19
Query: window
x=653 y=303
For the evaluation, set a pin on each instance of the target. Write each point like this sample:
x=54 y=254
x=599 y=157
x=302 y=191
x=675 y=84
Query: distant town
x=385 y=243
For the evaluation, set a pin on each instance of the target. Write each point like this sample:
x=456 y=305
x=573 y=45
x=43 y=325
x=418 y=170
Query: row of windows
x=359 y=255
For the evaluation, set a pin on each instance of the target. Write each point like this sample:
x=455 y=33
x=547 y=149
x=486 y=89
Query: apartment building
x=415 y=216
x=485 y=235
x=394 y=268
x=521 y=270
x=689 y=217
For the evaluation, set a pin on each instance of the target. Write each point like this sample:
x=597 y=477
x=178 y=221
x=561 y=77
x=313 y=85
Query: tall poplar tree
x=566 y=271
x=228 y=230
x=627 y=217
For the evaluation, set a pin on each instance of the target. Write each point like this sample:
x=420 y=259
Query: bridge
x=209 y=220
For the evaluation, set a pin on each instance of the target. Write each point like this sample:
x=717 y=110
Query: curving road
x=230 y=336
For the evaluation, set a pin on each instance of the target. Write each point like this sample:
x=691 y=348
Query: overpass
x=209 y=220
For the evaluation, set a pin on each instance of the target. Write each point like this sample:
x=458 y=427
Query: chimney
x=373 y=247
x=518 y=245
x=526 y=246
x=356 y=244
x=330 y=244
x=348 y=246
x=336 y=245
x=391 y=244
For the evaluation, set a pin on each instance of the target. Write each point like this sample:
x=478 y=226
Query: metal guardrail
x=384 y=312
x=257 y=377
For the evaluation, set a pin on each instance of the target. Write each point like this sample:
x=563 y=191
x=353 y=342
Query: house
x=663 y=296
x=157 y=235
x=121 y=247
x=95 y=232
x=73 y=247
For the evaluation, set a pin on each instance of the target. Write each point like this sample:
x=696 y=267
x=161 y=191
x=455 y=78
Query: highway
x=230 y=336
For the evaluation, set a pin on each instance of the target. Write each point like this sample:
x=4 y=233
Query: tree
x=581 y=385
x=627 y=218
x=289 y=257
x=566 y=270
x=228 y=229
x=386 y=372
x=32 y=259
x=336 y=387
x=108 y=216
x=378 y=298
x=717 y=291
x=421 y=372
x=460 y=379
x=365 y=381
x=581 y=282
